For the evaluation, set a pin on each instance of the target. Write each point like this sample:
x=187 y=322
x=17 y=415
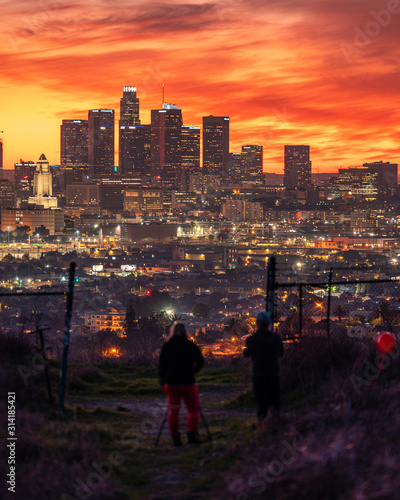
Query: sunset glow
x=285 y=72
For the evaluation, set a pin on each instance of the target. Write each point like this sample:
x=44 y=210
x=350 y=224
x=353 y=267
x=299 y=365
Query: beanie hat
x=263 y=319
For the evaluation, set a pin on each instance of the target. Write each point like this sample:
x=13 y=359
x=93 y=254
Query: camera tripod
x=165 y=418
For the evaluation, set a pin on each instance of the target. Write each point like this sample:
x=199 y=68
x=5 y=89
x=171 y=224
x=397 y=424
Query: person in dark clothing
x=265 y=349
x=180 y=359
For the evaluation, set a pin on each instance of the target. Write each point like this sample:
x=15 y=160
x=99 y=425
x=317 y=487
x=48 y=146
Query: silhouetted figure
x=265 y=349
x=179 y=360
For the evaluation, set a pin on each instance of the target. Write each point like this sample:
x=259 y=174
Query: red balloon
x=386 y=343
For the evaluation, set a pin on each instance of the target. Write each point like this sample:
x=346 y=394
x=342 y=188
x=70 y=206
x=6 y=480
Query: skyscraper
x=101 y=141
x=297 y=167
x=166 y=126
x=74 y=158
x=215 y=145
x=134 y=139
x=134 y=150
x=252 y=164
x=129 y=107
x=190 y=153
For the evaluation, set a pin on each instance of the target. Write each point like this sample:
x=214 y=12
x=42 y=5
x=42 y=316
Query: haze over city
x=284 y=72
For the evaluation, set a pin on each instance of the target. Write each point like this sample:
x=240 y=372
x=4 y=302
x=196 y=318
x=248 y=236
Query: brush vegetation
x=343 y=435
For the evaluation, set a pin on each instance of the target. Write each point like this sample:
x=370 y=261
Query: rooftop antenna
x=163 y=96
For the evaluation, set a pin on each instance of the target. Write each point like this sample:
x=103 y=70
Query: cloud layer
x=286 y=72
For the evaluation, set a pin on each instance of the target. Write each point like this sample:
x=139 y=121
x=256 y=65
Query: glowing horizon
x=285 y=72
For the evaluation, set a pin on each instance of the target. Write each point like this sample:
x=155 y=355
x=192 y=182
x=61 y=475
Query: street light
x=8 y=235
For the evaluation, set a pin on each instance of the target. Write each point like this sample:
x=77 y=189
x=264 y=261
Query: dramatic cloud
x=286 y=71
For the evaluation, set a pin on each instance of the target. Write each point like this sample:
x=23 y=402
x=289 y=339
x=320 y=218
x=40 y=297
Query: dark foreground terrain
x=338 y=436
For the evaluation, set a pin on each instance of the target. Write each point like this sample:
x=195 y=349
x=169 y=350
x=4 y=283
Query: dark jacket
x=179 y=360
x=265 y=349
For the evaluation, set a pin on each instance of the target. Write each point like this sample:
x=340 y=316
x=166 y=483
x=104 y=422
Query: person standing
x=180 y=359
x=265 y=349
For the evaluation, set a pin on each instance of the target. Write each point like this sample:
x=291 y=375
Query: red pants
x=190 y=395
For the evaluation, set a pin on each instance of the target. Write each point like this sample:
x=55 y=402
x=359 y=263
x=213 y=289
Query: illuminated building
x=74 y=158
x=101 y=141
x=235 y=168
x=134 y=139
x=386 y=177
x=7 y=194
x=52 y=220
x=297 y=167
x=215 y=145
x=111 y=319
x=357 y=182
x=82 y=195
x=252 y=164
x=202 y=183
x=242 y=210
x=166 y=126
x=111 y=191
x=129 y=107
x=24 y=173
x=150 y=201
x=190 y=153
x=43 y=185
x=134 y=150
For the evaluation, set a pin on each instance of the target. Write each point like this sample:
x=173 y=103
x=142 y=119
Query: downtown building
x=41 y=209
x=166 y=154
x=297 y=169
x=386 y=178
x=43 y=186
x=241 y=210
x=101 y=142
x=1 y=158
x=74 y=158
x=358 y=183
x=134 y=138
x=24 y=173
x=251 y=164
x=215 y=145
x=190 y=154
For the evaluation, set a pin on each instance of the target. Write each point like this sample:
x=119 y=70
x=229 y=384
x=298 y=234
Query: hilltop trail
x=212 y=403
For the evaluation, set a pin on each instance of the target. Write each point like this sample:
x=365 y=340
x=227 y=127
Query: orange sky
x=285 y=71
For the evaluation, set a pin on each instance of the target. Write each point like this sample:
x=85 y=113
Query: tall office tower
x=74 y=158
x=215 y=145
x=190 y=153
x=134 y=142
x=101 y=141
x=252 y=164
x=134 y=150
x=43 y=186
x=129 y=107
x=297 y=167
x=235 y=168
x=166 y=126
x=386 y=177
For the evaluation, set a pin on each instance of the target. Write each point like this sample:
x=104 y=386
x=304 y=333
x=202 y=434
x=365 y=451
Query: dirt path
x=213 y=405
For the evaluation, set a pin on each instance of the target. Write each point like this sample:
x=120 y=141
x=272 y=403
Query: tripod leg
x=205 y=424
x=165 y=418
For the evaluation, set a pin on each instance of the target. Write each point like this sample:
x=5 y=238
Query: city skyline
x=285 y=73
